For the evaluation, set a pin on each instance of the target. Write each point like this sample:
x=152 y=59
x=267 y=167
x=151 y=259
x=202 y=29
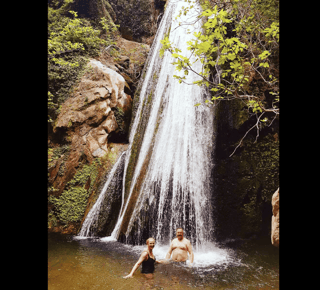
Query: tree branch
x=255 y=125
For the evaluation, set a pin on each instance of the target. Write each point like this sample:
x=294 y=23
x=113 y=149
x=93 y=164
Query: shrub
x=71 y=41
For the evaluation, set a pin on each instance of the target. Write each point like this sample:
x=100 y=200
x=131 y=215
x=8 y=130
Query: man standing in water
x=180 y=247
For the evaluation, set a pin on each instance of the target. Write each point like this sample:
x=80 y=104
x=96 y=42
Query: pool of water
x=91 y=263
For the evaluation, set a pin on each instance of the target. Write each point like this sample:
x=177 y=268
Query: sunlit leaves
x=273 y=30
x=203 y=47
x=264 y=55
x=73 y=35
x=238 y=44
x=166 y=45
x=255 y=106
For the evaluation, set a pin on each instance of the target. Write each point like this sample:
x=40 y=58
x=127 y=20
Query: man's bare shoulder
x=186 y=242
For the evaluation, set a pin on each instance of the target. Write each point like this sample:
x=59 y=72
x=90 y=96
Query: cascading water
x=170 y=181
x=167 y=168
x=91 y=223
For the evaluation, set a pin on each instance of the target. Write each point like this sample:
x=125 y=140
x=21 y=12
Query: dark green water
x=93 y=264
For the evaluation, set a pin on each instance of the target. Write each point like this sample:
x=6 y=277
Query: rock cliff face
x=98 y=111
x=93 y=9
x=91 y=111
x=275 y=223
x=92 y=127
x=138 y=19
x=243 y=183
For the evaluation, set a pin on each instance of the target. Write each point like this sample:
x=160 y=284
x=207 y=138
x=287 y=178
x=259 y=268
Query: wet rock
x=275 y=223
x=111 y=204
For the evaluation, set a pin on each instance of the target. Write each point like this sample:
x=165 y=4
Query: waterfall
x=91 y=223
x=168 y=165
x=170 y=182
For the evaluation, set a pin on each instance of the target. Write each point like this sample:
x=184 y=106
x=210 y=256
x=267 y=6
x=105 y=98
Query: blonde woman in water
x=147 y=259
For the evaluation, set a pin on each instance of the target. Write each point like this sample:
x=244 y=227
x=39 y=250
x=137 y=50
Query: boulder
x=275 y=223
x=99 y=93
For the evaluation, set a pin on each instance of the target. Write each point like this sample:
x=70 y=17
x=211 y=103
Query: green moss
x=263 y=165
x=155 y=76
x=135 y=149
x=150 y=98
x=59 y=151
x=56 y=153
x=120 y=119
x=71 y=204
x=257 y=181
x=52 y=220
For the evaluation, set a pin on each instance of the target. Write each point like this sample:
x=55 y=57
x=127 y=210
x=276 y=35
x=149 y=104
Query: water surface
x=91 y=263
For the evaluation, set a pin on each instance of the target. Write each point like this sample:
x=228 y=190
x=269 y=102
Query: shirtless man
x=179 y=248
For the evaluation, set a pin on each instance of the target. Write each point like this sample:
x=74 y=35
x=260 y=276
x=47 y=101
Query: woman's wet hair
x=147 y=241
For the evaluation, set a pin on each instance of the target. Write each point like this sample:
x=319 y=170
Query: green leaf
x=232 y=56
x=203 y=47
x=264 y=64
x=264 y=55
x=216 y=98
